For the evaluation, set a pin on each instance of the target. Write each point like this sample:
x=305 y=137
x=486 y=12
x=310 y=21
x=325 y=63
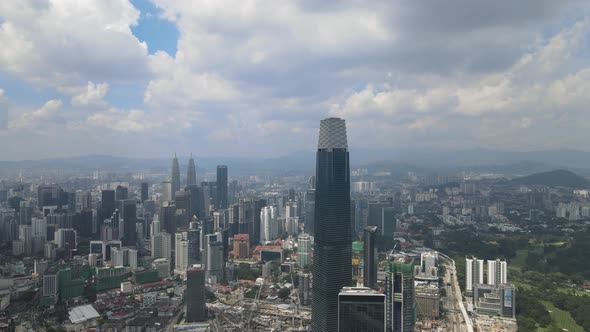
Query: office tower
x=107 y=204
x=309 y=210
x=49 y=195
x=388 y=222
x=361 y=309
x=210 y=194
x=197 y=201
x=121 y=193
x=194 y=243
x=370 y=257
x=375 y=214
x=303 y=250
x=181 y=253
x=268 y=224
x=183 y=208
x=291 y=218
x=167 y=217
x=127 y=220
x=25 y=213
x=497 y=272
x=175 y=178
x=214 y=256
x=166 y=192
x=66 y=238
x=234 y=219
x=191 y=172
x=258 y=205
x=232 y=192
x=473 y=274
x=25 y=234
x=245 y=216
x=196 y=311
x=221 y=187
x=144 y=191
x=399 y=297
x=161 y=245
x=332 y=265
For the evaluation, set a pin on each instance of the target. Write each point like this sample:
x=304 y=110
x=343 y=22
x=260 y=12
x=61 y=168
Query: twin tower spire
x=191 y=174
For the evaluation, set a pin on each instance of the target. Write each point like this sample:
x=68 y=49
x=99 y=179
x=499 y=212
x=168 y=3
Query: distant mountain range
x=556 y=178
x=419 y=161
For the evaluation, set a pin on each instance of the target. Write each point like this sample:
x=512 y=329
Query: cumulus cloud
x=257 y=73
x=92 y=96
x=42 y=116
x=71 y=41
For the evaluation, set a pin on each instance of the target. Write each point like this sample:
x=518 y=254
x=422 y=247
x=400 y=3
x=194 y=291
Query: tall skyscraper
x=370 y=257
x=332 y=266
x=221 y=187
x=361 y=309
x=191 y=172
x=196 y=311
x=144 y=191
x=107 y=204
x=399 y=297
x=121 y=193
x=309 y=210
x=175 y=179
x=268 y=224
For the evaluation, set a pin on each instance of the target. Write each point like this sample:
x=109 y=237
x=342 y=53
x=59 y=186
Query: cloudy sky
x=253 y=78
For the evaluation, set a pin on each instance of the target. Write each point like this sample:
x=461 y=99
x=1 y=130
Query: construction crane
x=295 y=300
x=255 y=305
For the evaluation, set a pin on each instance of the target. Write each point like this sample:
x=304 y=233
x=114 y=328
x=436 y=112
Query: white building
x=181 y=253
x=268 y=224
x=497 y=272
x=474 y=273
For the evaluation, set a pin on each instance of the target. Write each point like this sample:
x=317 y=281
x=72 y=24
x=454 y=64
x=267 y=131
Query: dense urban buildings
x=332 y=265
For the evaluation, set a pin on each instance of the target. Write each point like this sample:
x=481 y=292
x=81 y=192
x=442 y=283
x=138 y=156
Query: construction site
x=263 y=315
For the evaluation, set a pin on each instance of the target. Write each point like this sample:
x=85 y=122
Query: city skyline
x=457 y=76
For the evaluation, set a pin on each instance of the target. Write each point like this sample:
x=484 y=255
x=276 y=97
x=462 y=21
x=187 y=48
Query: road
x=457 y=316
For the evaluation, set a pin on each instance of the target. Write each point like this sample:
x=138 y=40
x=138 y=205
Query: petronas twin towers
x=191 y=174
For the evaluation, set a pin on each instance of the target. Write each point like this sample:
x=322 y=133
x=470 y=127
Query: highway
x=457 y=316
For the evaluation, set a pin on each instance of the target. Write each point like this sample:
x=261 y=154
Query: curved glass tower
x=332 y=265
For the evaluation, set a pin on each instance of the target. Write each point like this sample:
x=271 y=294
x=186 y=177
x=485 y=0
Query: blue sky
x=144 y=78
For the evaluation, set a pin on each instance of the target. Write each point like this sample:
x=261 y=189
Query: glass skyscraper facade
x=332 y=266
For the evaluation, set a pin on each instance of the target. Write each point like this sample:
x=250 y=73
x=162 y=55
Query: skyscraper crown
x=332 y=134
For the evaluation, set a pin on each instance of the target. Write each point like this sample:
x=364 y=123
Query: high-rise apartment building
x=221 y=187
x=474 y=273
x=309 y=210
x=214 y=257
x=161 y=245
x=497 y=272
x=361 y=309
x=332 y=266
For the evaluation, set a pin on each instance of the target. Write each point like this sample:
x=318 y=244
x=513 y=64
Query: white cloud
x=65 y=42
x=121 y=120
x=42 y=116
x=92 y=96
